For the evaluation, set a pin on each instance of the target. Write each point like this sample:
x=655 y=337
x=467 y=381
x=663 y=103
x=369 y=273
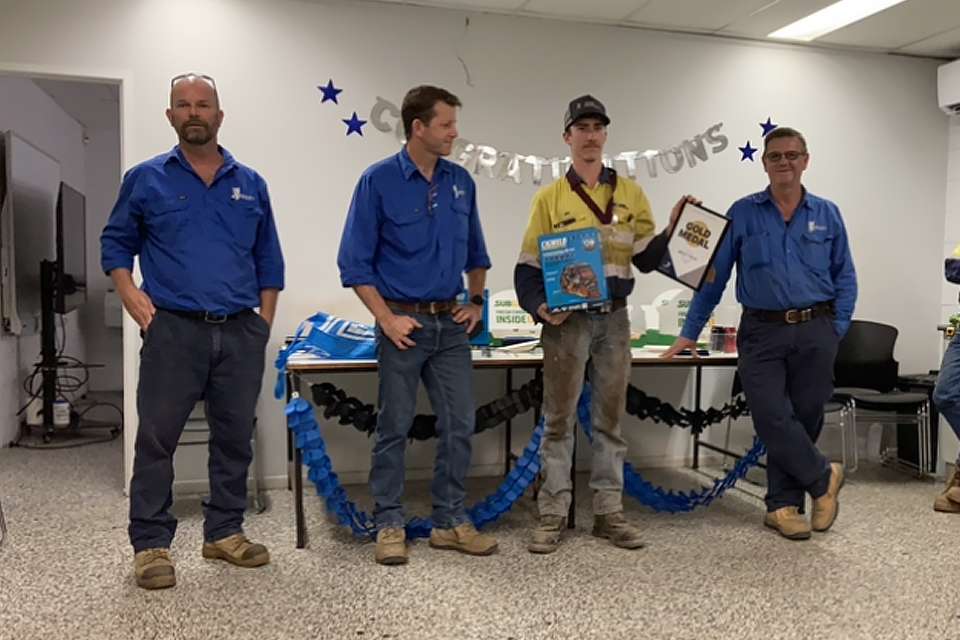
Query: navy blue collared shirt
x=409 y=238
x=201 y=248
x=781 y=265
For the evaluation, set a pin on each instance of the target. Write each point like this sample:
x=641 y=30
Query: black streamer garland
x=363 y=417
x=646 y=407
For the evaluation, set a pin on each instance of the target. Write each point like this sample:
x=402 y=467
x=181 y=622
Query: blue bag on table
x=329 y=337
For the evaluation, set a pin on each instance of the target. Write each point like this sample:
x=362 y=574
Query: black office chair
x=865 y=374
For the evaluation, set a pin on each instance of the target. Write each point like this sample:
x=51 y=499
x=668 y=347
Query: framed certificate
x=572 y=264
x=693 y=244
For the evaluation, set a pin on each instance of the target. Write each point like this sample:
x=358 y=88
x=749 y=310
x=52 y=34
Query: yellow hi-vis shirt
x=557 y=208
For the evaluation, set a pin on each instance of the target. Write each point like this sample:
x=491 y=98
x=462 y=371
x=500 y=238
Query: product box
x=572 y=264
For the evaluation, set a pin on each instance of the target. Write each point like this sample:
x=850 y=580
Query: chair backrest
x=865 y=357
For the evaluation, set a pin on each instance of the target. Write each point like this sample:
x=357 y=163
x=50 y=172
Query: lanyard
x=576 y=183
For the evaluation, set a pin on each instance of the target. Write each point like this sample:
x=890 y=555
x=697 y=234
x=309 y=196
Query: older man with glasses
x=798 y=287
x=202 y=226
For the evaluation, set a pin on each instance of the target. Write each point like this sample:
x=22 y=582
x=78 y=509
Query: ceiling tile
x=772 y=16
x=694 y=14
x=899 y=25
x=942 y=45
x=598 y=10
x=480 y=5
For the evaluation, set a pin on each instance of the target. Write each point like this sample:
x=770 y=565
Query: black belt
x=793 y=316
x=609 y=307
x=426 y=308
x=207 y=316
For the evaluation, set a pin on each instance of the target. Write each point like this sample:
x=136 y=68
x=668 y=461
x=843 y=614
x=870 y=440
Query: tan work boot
x=391 y=546
x=464 y=538
x=825 y=507
x=154 y=569
x=949 y=500
x=546 y=537
x=616 y=529
x=236 y=549
x=788 y=522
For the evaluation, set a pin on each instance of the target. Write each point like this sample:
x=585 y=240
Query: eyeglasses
x=792 y=156
x=190 y=76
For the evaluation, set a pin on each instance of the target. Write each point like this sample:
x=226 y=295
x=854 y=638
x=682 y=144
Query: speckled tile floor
x=888 y=569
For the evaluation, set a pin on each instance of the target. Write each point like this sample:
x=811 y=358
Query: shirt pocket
x=755 y=251
x=461 y=221
x=165 y=218
x=815 y=250
x=405 y=229
x=242 y=222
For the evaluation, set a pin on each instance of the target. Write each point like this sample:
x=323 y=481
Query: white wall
x=877 y=139
x=35 y=117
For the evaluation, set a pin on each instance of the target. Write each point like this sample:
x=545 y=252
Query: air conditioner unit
x=948 y=87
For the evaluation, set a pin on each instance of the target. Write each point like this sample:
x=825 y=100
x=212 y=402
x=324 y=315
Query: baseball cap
x=584 y=107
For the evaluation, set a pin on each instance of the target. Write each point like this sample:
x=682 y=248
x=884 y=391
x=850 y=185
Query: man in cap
x=590 y=195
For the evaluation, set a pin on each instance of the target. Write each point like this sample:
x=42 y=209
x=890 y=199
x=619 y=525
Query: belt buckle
x=792 y=316
x=434 y=309
x=214 y=318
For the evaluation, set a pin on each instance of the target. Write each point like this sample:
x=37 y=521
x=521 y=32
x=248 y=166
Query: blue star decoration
x=747 y=152
x=768 y=127
x=354 y=124
x=329 y=92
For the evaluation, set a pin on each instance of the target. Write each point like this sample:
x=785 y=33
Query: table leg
x=698 y=381
x=297 y=468
x=508 y=431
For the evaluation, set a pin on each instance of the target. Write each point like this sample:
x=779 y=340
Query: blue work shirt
x=409 y=238
x=781 y=265
x=201 y=248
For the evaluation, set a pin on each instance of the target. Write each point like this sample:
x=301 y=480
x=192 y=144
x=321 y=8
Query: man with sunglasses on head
x=411 y=232
x=798 y=287
x=203 y=228
x=589 y=196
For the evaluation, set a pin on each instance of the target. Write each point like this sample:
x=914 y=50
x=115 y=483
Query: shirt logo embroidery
x=457 y=192
x=238 y=195
x=813 y=226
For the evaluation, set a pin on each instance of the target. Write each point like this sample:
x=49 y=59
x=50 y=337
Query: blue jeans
x=787 y=375
x=184 y=360
x=947 y=393
x=441 y=358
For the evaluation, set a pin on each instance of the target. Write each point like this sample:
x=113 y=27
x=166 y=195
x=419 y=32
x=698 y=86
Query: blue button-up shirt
x=409 y=238
x=201 y=248
x=781 y=265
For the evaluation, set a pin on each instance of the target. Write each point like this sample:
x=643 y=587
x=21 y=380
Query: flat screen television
x=70 y=288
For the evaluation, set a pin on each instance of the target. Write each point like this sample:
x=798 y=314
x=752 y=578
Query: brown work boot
x=949 y=500
x=788 y=522
x=391 y=546
x=615 y=528
x=546 y=537
x=464 y=538
x=154 y=569
x=825 y=507
x=236 y=549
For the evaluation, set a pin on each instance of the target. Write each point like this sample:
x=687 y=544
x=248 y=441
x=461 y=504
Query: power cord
x=66 y=382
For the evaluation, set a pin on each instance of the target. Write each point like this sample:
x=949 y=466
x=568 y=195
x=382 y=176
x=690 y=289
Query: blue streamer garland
x=309 y=439
x=669 y=501
x=301 y=419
